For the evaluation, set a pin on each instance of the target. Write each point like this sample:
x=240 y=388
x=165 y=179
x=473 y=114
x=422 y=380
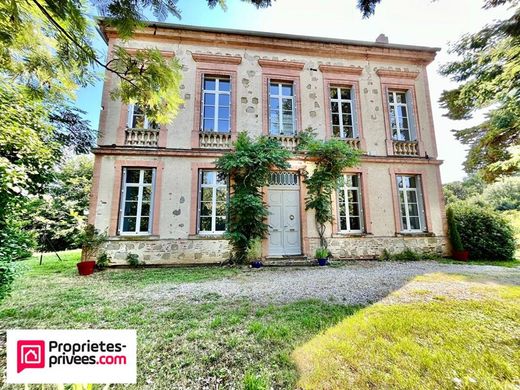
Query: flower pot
x=461 y=255
x=256 y=264
x=86 y=267
x=323 y=262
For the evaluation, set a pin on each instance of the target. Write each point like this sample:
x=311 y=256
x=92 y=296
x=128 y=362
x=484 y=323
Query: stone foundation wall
x=369 y=247
x=168 y=251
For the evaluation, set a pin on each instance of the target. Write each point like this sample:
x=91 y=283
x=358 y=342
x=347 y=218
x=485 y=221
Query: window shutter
x=422 y=212
x=353 y=109
x=411 y=115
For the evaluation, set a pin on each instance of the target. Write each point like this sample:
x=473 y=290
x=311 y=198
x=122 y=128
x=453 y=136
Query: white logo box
x=42 y=356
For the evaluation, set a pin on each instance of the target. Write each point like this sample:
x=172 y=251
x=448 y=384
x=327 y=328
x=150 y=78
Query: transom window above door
x=401 y=116
x=282 y=112
x=342 y=110
x=216 y=104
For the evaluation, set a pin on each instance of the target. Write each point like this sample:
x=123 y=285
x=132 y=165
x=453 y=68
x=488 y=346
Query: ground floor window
x=213 y=199
x=137 y=191
x=350 y=205
x=411 y=203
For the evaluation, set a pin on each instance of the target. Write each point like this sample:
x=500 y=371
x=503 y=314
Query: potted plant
x=459 y=253
x=254 y=254
x=322 y=255
x=102 y=261
x=91 y=240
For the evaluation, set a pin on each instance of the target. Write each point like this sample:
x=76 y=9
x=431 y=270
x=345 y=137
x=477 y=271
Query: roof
x=264 y=34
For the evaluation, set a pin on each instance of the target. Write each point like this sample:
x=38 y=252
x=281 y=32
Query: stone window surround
x=214 y=65
x=402 y=81
x=395 y=201
x=123 y=117
x=367 y=222
x=342 y=76
x=116 y=193
x=273 y=70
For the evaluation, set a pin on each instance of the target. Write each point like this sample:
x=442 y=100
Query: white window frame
x=344 y=188
x=409 y=114
x=141 y=185
x=280 y=97
x=214 y=186
x=420 y=204
x=339 y=101
x=217 y=92
x=130 y=120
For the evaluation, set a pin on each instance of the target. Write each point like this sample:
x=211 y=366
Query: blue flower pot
x=256 y=264
x=323 y=262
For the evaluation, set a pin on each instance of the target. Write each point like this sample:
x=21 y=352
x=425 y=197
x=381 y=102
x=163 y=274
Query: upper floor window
x=343 y=115
x=135 y=215
x=138 y=120
x=411 y=203
x=216 y=104
x=401 y=115
x=213 y=198
x=282 y=115
x=350 y=204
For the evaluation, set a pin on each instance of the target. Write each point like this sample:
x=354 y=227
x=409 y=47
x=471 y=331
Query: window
x=281 y=108
x=136 y=201
x=401 y=120
x=349 y=204
x=213 y=197
x=411 y=203
x=342 y=111
x=216 y=104
x=138 y=120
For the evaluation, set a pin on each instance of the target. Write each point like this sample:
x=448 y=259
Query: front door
x=284 y=221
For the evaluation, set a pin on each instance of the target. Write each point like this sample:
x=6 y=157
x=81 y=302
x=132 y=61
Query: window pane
x=415 y=223
x=334 y=107
x=223 y=126
x=345 y=108
x=209 y=125
x=287 y=90
x=342 y=207
x=287 y=104
x=403 y=123
x=148 y=174
x=413 y=210
x=147 y=193
x=132 y=175
x=355 y=223
x=343 y=223
x=209 y=84
x=412 y=182
x=390 y=97
x=221 y=194
x=401 y=97
x=220 y=224
x=399 y=181
x=274 y=103
x=205 y=224
x=138 y=122
x=335 y=131
x=355 y=180
x=223 y=100
x=221 y=208
x=335 y=119
x=205 y=208
x=345 y=93
x=132 y=193
x=209 y=98
x=206 y=194
x=273 y=89
x=405 y=135
x=130 y=209
x=347 y=120
x=208 y=177
x=334 y=93
x=129 y=224
x=224 y=85
x=145 y=209
x=145 y=223
x=353 y=209
x=412 y=197
x=209 y=112
x=223 y=113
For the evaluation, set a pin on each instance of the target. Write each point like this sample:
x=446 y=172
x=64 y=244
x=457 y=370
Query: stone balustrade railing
x=405 y=148
x=214 y=140
x=288 y=141
x=354 y=143
x=142 y=137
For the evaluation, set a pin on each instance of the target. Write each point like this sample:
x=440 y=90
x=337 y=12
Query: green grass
x=441 y=344
x=508 y=264
x=190 y=344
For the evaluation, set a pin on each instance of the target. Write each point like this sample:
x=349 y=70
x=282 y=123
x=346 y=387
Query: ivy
x=330 y=157
x=249 y=167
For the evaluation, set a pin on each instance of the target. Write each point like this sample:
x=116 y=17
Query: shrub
x=484 y=232
x=321 y=253
x=408 y=254
x=504 y=194
x=133 y=259
x=453 y=231
x=102 y=261
x=91 y=240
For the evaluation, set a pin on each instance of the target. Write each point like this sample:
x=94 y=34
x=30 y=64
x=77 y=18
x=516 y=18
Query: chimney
x=382 y=38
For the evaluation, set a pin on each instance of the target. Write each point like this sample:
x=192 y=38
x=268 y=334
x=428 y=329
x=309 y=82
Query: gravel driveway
x=360 y=282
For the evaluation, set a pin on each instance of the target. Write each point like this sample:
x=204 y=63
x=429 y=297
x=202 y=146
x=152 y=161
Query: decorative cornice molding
x=281 y=64
x=351 y=70
x=216 y=59
x=399 y=74
x=133 y=50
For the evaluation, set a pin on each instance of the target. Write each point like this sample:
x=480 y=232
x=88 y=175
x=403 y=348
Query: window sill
x=207 y=236
x=350 y=234
x=135 y=237
x=414 y=234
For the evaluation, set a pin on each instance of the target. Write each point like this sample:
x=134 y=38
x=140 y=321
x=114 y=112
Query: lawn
x=417 y=337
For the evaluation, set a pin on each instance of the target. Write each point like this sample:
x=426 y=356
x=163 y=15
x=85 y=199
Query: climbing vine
x=248 y=167
x=330 y=157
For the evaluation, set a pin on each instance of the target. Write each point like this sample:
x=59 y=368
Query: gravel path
x=354 y=283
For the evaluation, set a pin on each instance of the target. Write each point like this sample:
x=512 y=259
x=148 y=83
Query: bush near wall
x=485 y=233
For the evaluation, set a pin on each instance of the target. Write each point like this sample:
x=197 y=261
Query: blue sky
x=416 y=22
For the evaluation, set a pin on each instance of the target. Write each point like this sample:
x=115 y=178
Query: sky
x=415 y=22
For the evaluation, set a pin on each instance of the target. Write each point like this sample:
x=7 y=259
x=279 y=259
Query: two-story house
x=156 y=191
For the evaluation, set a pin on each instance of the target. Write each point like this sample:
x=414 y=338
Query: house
x=156 y=191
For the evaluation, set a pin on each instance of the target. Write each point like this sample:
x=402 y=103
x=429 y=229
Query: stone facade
x=177 y=152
